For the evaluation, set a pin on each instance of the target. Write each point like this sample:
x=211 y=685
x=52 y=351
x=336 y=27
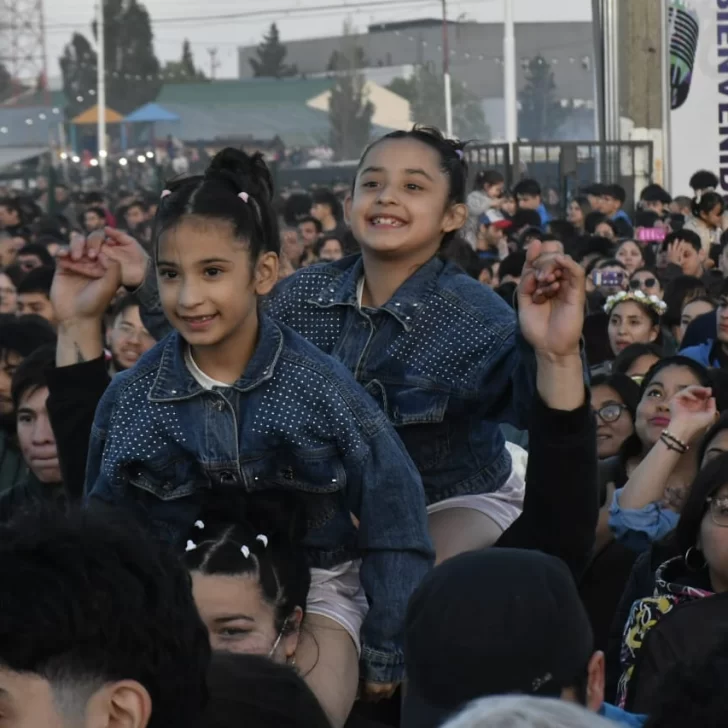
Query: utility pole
x=446 y=71
x=214 y=63
x=510 y=92
x=101 y=90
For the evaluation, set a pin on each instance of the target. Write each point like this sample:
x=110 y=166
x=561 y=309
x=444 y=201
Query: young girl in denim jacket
x=233 y=398
x=441 y=354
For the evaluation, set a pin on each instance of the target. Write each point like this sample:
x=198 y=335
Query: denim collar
x=174 y=381
x=407 y=301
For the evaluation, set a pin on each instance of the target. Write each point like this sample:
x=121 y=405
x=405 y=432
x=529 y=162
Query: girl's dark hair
x=254 y=691
x=703 y=180
x=583 y=202
x=488 y=178
x=632 y=445
x=452 y=161
x=629 y=355
x=706 y=202
x=258 y=537
x=720 y=425
x=592 y=220
x=215 y=195
x=709 y=480
x=646 y=219
x=677 y=292
x=627 y=389
x=15 y=273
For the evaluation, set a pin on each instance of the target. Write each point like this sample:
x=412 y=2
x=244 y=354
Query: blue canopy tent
x=148 y=114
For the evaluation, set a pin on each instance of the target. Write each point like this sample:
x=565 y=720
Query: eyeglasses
x=647 y=283
x=610 y=412
x=718 y=511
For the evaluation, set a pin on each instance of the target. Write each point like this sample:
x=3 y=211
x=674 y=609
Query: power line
x=290 y=11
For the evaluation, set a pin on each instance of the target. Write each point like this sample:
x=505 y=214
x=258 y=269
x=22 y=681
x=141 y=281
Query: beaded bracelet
x=674 y=443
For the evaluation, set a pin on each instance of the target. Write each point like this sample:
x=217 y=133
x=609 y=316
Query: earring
x=692 y=551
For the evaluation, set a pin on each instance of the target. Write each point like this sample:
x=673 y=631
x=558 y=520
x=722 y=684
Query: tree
x=350 y=110
x=541 y=113
x=425 y=90
x=132 y=69
x=271 y=54
x=78 y=66
x=7 y=87
x=184 y=70
x=336 y=62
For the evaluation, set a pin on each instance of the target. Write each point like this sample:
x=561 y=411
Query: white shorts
x=338 y=594
x=504 y=505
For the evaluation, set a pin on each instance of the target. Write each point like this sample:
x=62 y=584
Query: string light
x=123 y=161
x=141 y=159
x=94 y=162
x=76 y=159
x=150 y=155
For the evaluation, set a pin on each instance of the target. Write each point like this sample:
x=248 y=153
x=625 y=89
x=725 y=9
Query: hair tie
x=191 y=546
x=263 y=539
x=460 y=154
x=245 y=551
x=243 y=196
x=164 y=194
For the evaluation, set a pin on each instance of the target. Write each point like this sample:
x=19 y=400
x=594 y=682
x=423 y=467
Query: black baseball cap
x=492 y=622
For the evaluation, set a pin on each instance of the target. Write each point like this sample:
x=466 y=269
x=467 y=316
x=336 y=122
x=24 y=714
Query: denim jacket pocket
x=168 y=482
x=419 y=417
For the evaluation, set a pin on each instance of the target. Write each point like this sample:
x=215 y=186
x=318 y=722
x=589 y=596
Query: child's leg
x=471 y=522
x=457 y=530
x=328 y=656
x=327 y=659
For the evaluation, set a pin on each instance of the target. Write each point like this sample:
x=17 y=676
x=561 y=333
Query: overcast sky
x=174 y=20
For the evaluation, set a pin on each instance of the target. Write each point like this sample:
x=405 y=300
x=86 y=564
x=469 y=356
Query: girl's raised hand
x=692 y=411
x=551 y=301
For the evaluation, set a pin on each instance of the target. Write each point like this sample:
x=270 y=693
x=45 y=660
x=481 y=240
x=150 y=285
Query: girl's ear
x=455 y=218
x=654 y=333
x=347 y=209
x=266 y=273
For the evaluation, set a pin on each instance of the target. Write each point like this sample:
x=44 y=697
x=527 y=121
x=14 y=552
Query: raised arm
x=561 y=504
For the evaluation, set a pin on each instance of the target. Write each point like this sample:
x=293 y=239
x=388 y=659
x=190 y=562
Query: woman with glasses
x=614 y=401
x=699 y=572
x=646 y=280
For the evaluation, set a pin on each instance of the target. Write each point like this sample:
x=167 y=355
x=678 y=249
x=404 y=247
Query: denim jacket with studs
x=297 y=420
x=443 y=358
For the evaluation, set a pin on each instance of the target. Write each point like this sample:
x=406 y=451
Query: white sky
x=295 y=19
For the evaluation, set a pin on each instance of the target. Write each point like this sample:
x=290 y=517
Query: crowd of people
x=428 y=455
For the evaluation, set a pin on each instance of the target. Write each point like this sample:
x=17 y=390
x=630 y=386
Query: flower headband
x=242 y=195
x=653 y=302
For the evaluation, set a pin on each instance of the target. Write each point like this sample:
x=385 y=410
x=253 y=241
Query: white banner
x=699 y=90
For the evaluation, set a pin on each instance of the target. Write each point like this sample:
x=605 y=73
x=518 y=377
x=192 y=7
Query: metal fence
x=562 y=168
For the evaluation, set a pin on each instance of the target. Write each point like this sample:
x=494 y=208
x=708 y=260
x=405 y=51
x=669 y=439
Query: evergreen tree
x=425 y=90
x=541 y=113
x=184 y=70
x=350 y=110
x=132 y=69
x=271 y=54
x=78 y=66
x=7 y=86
